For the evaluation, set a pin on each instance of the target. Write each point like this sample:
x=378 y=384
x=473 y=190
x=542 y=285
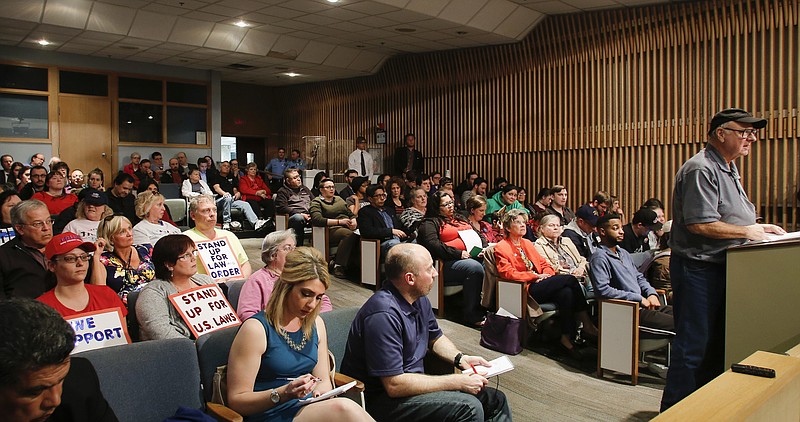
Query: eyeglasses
x=188 y=255
x=744 y=133
x=328 y=187
x=379 y=195
x=40 y=224
x=71 y=259
x=448 y=204
x=288 y=248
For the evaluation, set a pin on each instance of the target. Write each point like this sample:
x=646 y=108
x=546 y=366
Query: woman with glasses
x=126 y=267
x=280 y=354
x=517 y=259
x=442 y=233
x=255 y=192
x=54 y=195
x=150 y=208
x=68 y=260
x=175 y=262
x=257 y=290
x=559 y=250
x=329 y=210
x=502 y=202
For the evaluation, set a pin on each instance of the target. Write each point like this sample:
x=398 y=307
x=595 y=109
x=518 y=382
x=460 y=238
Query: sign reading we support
x=98 y=329
x=205 y=309
x=219 y=260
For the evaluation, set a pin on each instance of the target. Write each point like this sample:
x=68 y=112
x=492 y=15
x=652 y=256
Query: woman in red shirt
x=517 y=259
x=256 y=192
x=443 y=234
x=53 y=195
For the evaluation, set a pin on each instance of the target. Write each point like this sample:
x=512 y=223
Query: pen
x=315 y=379
x=473 y=368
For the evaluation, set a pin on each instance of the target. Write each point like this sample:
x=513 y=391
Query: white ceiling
x=314 y=38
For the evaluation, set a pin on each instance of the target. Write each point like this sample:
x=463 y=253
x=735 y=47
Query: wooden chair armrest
x=342 y=379
x=222 y=413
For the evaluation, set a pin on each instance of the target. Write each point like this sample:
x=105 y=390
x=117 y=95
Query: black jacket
x=401 y=159
x=81 y=398
x=125 y=206
x=21 y=273
x=371 y=224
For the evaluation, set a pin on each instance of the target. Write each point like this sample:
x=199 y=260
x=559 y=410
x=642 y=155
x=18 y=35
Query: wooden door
x=85 y=133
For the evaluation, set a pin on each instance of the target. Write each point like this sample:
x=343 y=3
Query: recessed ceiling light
x=241 y=24
x=292 y=74
x=333 y=1
x=43 y=42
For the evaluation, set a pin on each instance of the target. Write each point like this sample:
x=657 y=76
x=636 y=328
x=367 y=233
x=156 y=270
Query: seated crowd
x=84 y=247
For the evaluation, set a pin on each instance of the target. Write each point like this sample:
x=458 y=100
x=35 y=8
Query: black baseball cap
x=648 y=218
x=735 y=115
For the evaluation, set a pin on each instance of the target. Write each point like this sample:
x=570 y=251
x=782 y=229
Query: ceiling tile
x=257 y=42
x=462 y=11
x=374 y=22
x=67 y=13
x=245 y=5
x=591 y=4
x=281 y=12
x=341 y=57
x=554 y=7
x=163 y=9
x=259 y=18
x=225 y=37
x=492 y=14
x=519 y=23
x=315 y=52
x=26 y=10
x=427 y=7
x=405 y=16
x=317 y=20
x=100 y=36
x=294 y=24
x=191 y=32
x=216 y=9
x=341 y=14
x=77 y=49
x=287 y=47
x=110 y=18
x=367 y=61
x=203 y=16
x=53 y=29
x=370 y=8
x=152 y=25
x=435 y=24
x=135 y=4
x=397 y=3
x=306 y=6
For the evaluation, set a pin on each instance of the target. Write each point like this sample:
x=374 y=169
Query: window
x=140 y=122
x=23 y=116
x=83 y=83
x=21 y=77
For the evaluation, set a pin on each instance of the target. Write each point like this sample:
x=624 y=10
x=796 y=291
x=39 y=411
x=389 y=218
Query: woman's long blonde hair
x=302 y=264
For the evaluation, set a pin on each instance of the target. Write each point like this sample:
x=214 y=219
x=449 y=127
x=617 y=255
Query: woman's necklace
x=296 y=347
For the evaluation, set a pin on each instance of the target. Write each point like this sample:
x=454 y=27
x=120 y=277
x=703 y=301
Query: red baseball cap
x=65 y=242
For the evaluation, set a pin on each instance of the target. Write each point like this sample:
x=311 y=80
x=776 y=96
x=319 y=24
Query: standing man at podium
x=711 y=212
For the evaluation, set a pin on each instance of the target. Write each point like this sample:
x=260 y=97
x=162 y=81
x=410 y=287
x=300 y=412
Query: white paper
x=333 y=393
x=471 y=239
x=791 y=235
x=505 y=313
x=499 y=366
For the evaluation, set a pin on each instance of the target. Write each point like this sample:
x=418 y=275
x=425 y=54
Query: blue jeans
x=488 y=405
x=225 y=203
x=386 y=245
x=698 y=350
x=469 y=273
x=299 y=224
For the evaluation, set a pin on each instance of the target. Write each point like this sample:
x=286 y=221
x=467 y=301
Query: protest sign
x=98 y=329
x=219 y=260
x=205 y=309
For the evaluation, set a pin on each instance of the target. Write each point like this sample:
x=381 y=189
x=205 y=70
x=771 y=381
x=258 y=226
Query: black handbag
x=502 y=334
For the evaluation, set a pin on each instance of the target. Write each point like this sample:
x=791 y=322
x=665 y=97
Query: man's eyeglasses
x=188 y=255
x=40 y=224
x=744 y=133
x=71 y=259
x=379 y=195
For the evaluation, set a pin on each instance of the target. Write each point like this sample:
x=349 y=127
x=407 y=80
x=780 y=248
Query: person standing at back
x=407 y=157
x=360 y=159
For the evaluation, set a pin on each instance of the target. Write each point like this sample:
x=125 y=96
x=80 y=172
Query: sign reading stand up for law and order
x=219 y=259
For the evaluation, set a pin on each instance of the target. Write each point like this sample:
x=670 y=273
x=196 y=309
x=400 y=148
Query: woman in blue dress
x=280 y=355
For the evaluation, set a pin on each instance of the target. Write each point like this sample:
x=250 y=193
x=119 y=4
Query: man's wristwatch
x=275 y=397
x=457 y=360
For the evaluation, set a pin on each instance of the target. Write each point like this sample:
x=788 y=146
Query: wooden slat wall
x=614 y=100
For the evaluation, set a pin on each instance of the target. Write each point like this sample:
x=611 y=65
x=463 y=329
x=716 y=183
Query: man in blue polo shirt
x=275 y=169
x=711 y=212
x=388 y=340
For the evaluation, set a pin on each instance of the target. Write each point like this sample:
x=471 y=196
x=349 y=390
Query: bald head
x=405 y=258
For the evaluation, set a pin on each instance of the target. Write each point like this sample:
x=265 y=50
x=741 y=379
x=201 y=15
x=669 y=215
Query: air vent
x=239 y=66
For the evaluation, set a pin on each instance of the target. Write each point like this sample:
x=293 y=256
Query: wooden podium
x=763 y=293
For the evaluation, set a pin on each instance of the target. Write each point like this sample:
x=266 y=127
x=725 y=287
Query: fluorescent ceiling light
x=43 y=42
x=241 y=24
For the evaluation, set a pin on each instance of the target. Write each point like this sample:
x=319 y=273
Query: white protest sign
x=219 y=260
x=205 y=309
x=98 y=329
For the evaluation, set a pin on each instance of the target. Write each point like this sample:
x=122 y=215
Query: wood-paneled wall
x=614 y=100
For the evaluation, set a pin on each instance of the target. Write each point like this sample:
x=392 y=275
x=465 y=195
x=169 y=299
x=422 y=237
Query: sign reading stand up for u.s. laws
x=205 y=309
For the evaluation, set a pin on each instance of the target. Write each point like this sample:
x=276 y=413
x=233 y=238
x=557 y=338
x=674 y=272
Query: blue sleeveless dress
x=281 y=361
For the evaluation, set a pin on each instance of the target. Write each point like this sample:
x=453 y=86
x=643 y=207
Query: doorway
x=85 y=133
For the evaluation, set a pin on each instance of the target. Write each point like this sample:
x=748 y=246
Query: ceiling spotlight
x=292 y=74
x=43 y=42
x=129 y=122
x=149 y=117
x=333 y=1
x=241 y=24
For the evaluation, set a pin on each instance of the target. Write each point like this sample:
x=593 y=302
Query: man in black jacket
x=378 y=222
x=408 y=157
x=120 y=199
x=38 y=378
x=22 y=263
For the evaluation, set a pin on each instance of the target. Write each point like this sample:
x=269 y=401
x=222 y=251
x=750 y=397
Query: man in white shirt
x=360 y=159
